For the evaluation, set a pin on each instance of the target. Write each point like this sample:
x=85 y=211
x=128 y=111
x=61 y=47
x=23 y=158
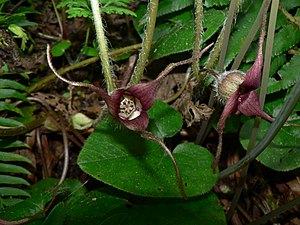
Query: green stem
x=198 y=38
x=102 y=44
x=238 y=59
x=268 y=51
x=291 y=18
x=219 y=49
x=147 y=42
x=58 y=19
x=233 y=8
x=148 y=135
x=262 y=95
x=284 y=113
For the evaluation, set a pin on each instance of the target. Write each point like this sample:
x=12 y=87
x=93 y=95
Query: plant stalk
x=152 y=137
x=45 y=80
x=255 y=129
x=102 y=44
x=146 y=45
x=199 y=17
x=233 y=8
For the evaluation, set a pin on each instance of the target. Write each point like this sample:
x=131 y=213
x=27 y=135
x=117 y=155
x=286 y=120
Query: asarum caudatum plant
x=238 y=91
x=129 y=105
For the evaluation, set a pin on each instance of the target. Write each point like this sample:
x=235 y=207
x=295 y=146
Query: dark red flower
x=130 y=105
x=238 y=90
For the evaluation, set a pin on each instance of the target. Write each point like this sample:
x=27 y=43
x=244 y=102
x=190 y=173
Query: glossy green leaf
x=10 y=191
x=59 y=48
x=290 y=4
x=211 y=3
x=170 y=6
x=9 y=107
x=241 y=29
x=57 y=215
x=164 y=120
x=5 y=83
x=8 y=157
x=89 y=51
x=178 y=36
x=7 y=122
x=10 y=168
x=11 y=201
x=283 y=153
x=285 y=39
x=289 y=75
x=10 y=93
x=122 y=159
x=41 y=194
x=7 y=179
x=12 y=143
x=26 y=10
x=176 y=33
x=277 y=63
x=101 y=208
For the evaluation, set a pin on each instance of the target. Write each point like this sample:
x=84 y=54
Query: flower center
x=130 y=107
x=228 y=83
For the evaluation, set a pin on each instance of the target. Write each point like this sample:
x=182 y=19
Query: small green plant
x=10 y=119
x=16 y=22
x=82 y=8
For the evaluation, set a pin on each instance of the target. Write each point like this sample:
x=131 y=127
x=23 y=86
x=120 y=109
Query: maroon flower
x=238 y=90
x=130 y=105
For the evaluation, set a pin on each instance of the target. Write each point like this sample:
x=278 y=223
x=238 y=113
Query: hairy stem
x=102 y=44
x=147 y=42
x=198 y=38
x=220 y=48
x=291 y=18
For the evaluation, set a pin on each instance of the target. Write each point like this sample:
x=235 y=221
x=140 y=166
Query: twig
x=64 y=134
x=58 y=19
x=40 y=150
x=276 y=212
x=66 y=155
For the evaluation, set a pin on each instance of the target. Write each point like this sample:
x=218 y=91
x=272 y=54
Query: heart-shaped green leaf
x=121 y=158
